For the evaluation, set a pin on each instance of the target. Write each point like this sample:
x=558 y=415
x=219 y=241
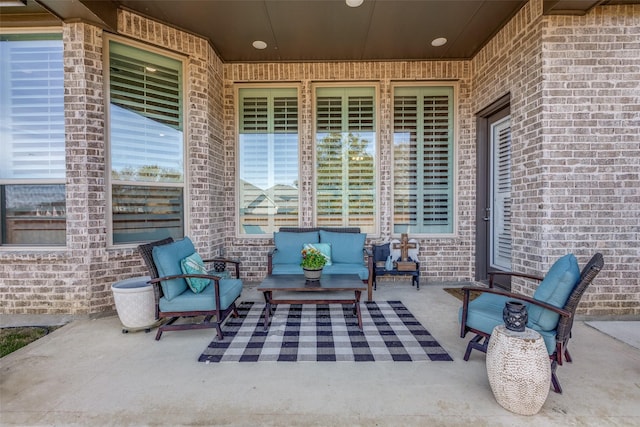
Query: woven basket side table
x=519 y=370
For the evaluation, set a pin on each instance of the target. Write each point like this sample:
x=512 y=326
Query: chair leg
x=567 y=356
x=161 y=327
x=554 y=378
x=475 y=343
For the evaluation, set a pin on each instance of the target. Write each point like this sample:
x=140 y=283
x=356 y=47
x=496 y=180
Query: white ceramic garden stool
x=519 y=369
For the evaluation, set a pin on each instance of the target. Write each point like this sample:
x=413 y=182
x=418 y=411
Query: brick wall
x=575 y=104
x=449 y=258
x=591 y=161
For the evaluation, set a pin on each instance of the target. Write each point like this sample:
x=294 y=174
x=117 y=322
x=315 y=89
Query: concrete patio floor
x=88 y=373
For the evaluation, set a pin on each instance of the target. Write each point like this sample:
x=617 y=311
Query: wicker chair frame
x=563 y=328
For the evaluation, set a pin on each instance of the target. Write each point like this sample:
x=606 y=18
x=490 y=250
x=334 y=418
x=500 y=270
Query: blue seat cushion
x=230 y=290
x=342 y=268
x=289 y=246
x=345 y=247
x=485 y=313
x=555 y=290
x=167 y=260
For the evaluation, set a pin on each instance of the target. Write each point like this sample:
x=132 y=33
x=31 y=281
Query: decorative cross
x=404 y=247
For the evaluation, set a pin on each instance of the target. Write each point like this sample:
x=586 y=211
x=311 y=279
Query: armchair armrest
x=226 y=261
x=270 y=260
x=512 y=274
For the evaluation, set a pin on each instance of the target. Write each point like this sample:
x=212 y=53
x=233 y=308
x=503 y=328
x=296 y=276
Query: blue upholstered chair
x=551 y=310
x=183 y=287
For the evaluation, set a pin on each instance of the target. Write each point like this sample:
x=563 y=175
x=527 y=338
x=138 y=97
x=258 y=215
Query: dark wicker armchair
x=488 y=307
x=218 y=308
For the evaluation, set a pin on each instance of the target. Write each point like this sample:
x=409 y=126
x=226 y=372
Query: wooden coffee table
x=297 y=283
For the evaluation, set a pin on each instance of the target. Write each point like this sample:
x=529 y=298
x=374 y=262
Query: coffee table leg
x=267 y=309
x=357 y=309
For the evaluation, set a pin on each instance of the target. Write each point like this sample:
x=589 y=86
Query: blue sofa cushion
x=345 y=247
x=193 y=264
x=360 y=269
x=167 y=260
x=230 y=290
x=323 y=248
x=555 y=290
x=289 y=246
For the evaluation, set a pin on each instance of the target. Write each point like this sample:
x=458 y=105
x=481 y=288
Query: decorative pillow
x=323 y=248
x=193 y=264
x=555 y=290
x=345 y=247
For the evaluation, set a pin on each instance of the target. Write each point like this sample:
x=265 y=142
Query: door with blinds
x=500 y=191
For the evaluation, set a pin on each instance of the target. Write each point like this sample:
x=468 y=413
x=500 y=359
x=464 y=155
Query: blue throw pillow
x=167 y=260
x=345 y=247
x=289 y=245
x=323 y=248
x=193 y=264
x=555 y=290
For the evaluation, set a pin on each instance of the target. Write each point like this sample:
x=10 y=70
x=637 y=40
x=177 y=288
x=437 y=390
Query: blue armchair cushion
x=323 y=248
x=345 y=247
x=167 y=260
x=485 y=313
x=230 y=290
x=555 y=290
x=193 y=264
x=289 y=246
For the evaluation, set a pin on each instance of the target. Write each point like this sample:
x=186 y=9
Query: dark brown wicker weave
x=366 y=252
x=146 y=251
x=563 y=329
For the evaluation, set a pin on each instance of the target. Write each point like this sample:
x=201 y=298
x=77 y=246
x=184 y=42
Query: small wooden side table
x=519 y=369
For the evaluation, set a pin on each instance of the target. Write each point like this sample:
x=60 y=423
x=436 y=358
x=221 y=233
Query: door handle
x=486 y=218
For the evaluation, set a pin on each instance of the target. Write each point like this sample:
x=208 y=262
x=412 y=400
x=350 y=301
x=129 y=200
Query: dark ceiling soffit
x=569 y=7
x=101 y=13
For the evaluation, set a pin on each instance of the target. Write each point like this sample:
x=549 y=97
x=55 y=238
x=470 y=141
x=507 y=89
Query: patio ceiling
x=311 y=30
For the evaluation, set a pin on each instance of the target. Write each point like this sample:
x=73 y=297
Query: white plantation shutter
x=32 y=140
x=268 y=154
x=423 y=160
x=31 y=107
x=345 y=156
x=501 y=188
x=146 y=144
x=146 y=115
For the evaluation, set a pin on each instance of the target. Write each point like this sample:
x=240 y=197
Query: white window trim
x=28 y=248
x=456 y=126
x=186 y=185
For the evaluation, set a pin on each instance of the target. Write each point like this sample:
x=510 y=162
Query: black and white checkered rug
x=326 y=332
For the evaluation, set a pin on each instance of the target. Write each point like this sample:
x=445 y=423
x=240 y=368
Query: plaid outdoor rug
x=326 y=332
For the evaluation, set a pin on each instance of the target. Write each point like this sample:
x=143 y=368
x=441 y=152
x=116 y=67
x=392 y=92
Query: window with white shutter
x=423 y=159
x=32 y=140
x=345 y=157
x=268 y=159
x=146 y=144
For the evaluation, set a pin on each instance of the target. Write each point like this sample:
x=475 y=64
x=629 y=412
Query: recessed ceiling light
x=354 y=3
x=259 y=44
x=440 y=41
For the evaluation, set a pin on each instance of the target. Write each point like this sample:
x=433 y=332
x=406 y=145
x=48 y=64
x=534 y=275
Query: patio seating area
x=90 y=373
